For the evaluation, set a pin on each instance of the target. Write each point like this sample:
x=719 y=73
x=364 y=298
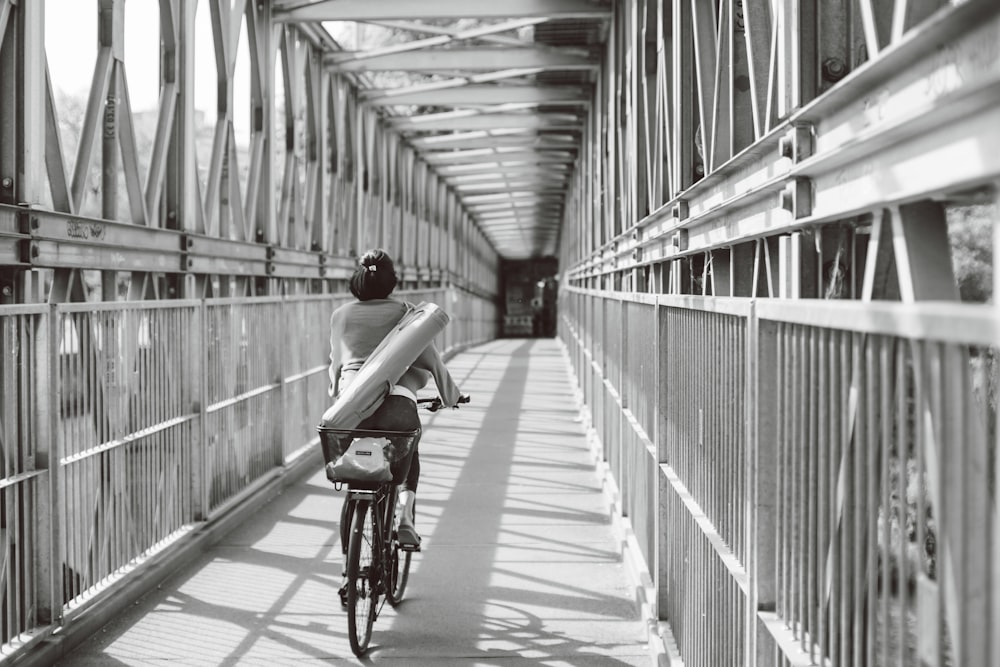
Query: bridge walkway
x=521 y=563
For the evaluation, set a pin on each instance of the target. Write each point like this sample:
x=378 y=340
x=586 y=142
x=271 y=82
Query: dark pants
x=397 y=413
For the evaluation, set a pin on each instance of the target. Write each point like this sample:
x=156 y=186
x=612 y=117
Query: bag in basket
x=364 y=461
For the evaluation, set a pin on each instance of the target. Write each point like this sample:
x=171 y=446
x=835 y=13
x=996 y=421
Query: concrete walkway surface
x=520 y=565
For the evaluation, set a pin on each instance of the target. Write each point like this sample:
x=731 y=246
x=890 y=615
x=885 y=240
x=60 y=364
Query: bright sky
x=71 y=49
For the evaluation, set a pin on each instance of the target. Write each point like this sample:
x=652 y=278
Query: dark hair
x=375 y=278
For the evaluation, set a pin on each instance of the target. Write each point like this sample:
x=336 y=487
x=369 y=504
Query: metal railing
x=818 y=478
x=126 y=425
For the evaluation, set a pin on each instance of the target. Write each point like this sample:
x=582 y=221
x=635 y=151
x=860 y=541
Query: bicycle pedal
x=409 y=547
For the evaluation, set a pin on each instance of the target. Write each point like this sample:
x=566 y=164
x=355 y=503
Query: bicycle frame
x=382 y=501
x=378 y=571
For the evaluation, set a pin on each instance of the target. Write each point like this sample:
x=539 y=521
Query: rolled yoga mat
x=386 y=364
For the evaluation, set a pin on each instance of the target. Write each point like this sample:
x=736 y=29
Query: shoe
x=405 y=532
x=408 y=537
x=342 y=592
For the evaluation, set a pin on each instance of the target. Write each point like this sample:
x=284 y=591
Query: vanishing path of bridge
x=721 y=274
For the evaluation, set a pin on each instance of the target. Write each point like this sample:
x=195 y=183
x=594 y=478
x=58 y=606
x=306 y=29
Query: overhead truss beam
x=469 y=59
x=388 y=10
x=462 y=95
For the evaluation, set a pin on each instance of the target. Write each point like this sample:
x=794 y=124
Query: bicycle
x=377 y=564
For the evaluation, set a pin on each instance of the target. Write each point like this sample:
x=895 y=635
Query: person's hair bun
x=375 y=276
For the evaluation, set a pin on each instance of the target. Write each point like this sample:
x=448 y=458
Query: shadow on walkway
x=520 y=564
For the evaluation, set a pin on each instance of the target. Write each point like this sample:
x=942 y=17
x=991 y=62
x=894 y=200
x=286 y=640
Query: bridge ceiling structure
x=493 y=97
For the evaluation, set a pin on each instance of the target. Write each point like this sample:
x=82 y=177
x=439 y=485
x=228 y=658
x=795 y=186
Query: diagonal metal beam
x=387 y=10
x=538 y=203
x=490 y=139
x=499 y=142
x=533 y=195
x=483 y=94
x=474 y=59
x=538 y=211
x=497 y=154
x=438 y=40
x=487 y=122
x=457 y=82
x=504 y=166
x=502 y=185
x=508 y=172
x=429 y=29
x=519 y=137
x=499 y=180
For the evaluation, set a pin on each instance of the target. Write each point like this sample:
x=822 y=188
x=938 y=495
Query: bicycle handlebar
x=435 y=404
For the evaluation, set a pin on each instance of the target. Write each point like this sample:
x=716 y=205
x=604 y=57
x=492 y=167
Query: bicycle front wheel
x=362 y=587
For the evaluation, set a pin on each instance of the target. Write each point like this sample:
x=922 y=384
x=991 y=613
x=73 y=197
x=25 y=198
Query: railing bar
x=831 y=572
x=862 y=361
x=808 y=525
x=736 y=496
x=940 y=512
x=126 y=440
x=902 y=458
x=795 y=523
x=239 y=398
x=872 y=499
x=16 y=479
x=94 y=307
x=885 y=414
x=958 y=440
x=823 y=534
x=781 y=561
x=920 y=442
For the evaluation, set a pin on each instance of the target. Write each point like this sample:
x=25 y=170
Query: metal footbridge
x=719 y=271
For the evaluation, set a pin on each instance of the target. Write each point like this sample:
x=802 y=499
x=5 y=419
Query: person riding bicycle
x=356 y=329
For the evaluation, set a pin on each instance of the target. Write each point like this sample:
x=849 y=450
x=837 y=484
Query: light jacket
x=357 y=328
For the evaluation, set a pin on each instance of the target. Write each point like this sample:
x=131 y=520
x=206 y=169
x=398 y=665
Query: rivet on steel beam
x=6 y=291
x=7 y=182
x=834 y=69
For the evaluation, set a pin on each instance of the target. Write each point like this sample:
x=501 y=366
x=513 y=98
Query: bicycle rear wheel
x=362 y=589
x=399 y=560
x=399 y=573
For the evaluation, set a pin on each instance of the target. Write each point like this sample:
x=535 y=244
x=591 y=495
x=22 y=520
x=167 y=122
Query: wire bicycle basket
x=364 y=456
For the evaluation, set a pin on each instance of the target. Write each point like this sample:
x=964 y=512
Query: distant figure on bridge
x=356 y=329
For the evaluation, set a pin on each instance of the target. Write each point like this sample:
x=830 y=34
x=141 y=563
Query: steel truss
x=802 y=150
x=333 y=180
x=760 y=130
